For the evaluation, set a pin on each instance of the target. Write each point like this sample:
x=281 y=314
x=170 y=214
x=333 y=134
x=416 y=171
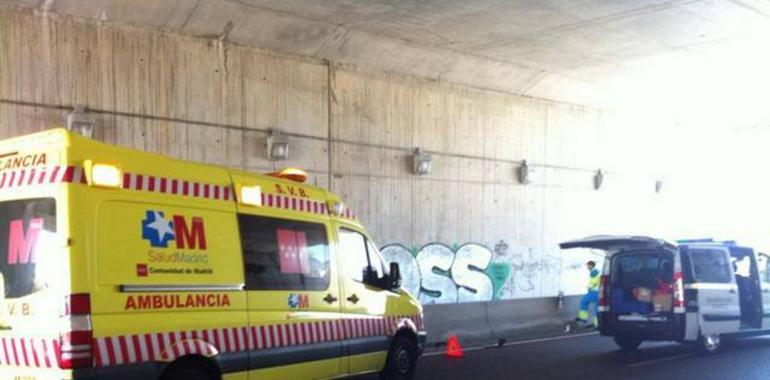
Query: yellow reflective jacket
x=594 y=281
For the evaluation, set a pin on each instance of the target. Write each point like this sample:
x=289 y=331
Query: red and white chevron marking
x=294 y=204
x=208 y=342
x=166 y=185
x=300 y=204
x=41 y=176
x=162 y=185
x=29 y=352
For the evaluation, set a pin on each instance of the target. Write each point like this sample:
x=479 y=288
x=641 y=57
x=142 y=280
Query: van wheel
x=628 y=344
x=185 y=372
x=402 y=360
x=711 y=343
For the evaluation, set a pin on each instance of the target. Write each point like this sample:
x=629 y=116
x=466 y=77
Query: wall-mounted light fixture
x=277 y=146
x=524 y=172
x=658 y=185
x=81 y=122
x=598 y=179
x=422 y=162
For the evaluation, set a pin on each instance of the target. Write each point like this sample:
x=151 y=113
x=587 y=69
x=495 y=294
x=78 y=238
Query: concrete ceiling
x=594 y=52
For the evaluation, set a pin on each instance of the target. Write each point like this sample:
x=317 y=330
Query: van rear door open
x=613 y=243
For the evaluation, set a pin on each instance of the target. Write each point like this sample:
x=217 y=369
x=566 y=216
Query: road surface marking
x=668 y=358
x=532 y=341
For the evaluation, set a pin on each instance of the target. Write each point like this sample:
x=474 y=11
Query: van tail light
x=76 y=338
x=678 y=293
x=604 y=290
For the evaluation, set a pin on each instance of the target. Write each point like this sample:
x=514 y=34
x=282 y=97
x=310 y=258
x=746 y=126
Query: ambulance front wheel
x=628 y=343
x=402 y=359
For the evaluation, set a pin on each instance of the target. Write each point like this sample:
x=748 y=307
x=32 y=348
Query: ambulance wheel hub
x=403 y=361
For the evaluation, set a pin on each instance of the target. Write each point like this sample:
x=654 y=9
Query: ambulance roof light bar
x=291 y=174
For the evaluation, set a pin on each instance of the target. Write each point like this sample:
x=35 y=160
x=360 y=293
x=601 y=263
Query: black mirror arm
x=394 y=278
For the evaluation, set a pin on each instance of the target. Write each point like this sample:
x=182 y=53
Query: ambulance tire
x=627 y=343
x=402 y=359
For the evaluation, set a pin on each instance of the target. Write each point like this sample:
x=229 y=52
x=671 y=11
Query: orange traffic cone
x=453 y=348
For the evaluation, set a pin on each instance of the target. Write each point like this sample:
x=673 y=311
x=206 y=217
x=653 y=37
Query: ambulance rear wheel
x=627 y=343
x=186 y=371
x=402 y=360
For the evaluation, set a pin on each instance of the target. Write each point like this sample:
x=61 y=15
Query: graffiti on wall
x=438 y=273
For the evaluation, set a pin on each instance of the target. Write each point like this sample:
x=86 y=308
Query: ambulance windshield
x=27 y=237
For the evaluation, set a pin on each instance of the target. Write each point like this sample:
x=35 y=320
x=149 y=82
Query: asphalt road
x=594 y=357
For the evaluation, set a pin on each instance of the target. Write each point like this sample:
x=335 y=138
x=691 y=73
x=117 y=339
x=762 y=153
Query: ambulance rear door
x=33 y=274
x=34 y=257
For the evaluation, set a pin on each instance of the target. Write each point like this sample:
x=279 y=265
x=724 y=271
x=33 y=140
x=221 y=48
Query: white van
x=697 y=291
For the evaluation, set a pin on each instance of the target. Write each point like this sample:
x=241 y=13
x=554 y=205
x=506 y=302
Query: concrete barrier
x=487 y=322
x=466 y=320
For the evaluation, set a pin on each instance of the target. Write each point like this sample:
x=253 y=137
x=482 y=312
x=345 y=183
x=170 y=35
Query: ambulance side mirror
x=394 y=278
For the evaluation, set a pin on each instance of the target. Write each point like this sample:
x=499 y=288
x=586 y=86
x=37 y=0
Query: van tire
x=627 y=343
x=402 y=359
x=710 y=344
x=178 y=372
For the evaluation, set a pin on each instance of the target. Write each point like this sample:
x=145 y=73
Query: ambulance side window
x=361 y=257
x=284 y=255
x=353 y=254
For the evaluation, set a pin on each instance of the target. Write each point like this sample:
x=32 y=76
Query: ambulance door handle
x=330 y=299
x=353 y=298
x=765 y=290
x=732 y=291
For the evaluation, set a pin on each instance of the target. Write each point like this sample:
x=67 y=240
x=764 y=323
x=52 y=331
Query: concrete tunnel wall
x=354 y=129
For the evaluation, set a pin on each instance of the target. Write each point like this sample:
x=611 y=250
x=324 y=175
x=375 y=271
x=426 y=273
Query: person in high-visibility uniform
x=592 y=296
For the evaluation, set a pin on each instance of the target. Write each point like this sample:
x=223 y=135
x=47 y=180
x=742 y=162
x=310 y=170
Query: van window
x=642 y=270
x=763 y=263
x=710 y=265
x=281 y=254
x=27 y=246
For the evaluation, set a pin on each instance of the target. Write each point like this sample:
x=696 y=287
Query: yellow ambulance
x=120 y=264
